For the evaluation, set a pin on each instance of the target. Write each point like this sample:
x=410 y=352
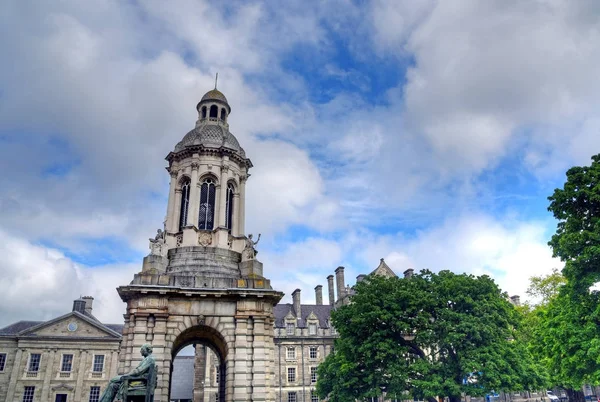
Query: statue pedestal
x=154 y=264
x=251 y=269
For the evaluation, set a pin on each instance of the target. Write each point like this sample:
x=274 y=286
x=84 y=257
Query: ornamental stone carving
x=158 y=245
x=205 y=239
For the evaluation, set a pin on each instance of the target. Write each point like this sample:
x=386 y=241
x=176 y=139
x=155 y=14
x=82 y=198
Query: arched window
x=185 y=204
x=206 y=216
x=229 y=207
x=223 y=114
x=214 y=111
x=204 y=112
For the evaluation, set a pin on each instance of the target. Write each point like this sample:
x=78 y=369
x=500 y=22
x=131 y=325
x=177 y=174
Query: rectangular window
x=291 y=374
x=290 y=328
x=2 y=361
x=314 y=397
x=34 y=362
x=291 y=353
x=312 y=329
x=333 y=331
x=313 y=375
x=94 y=394
x=292 y=397
x=28 y=394
x=67 y=363
x=312 y=353
x=98 y=364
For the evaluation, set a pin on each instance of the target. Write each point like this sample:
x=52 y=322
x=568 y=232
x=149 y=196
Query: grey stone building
x=69 y=358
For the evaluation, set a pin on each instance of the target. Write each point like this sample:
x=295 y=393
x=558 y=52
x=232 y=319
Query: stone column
x=177 y=210
x=235 y=229
x=192 y=218
x=242 y=210
x=240 y=364
x=114 y=360
x=48 y=375
x=223 y=195
x=199 y=373
x=339 y=280
x=83 y=363
x=14 y=376
x=171 y=225
x=259 y=362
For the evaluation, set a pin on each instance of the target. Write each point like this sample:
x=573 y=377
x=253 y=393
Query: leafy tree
x=546 y=287
x=432 y=335
x=577 y=237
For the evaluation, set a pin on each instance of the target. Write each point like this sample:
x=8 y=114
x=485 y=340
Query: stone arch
x=208 y=175
x=212 y=333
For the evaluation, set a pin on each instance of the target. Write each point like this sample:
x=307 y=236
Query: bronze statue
x=137 y=377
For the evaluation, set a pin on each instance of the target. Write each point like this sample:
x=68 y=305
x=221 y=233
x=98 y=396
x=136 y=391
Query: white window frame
x=290 y=353
x=30 y=398
x=62 y=361
x=312 y=328
x=96 y=396
x=94 y=363
x=312 y=349
x=313 y=375
x=290 y=328
x=39 y=365
x=292 y=396
x=314 y=397
x=291 y=374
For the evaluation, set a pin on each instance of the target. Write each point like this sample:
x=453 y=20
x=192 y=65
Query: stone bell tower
x=201 y=282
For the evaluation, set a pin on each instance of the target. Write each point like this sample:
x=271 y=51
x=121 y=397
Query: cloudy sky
x=428 y=133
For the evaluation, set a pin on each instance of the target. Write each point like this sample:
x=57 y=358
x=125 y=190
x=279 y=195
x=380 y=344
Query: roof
x=322 y=311
x=214 y=94
x=14 y=329
x=211 y=135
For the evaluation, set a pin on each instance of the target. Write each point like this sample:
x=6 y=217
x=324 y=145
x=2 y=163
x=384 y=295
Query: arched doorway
x=206 y=358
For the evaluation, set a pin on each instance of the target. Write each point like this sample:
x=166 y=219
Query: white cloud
x=41 y=283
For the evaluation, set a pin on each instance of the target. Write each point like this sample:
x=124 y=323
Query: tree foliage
x=577 y=237
x=426 y=336
x=546 y=287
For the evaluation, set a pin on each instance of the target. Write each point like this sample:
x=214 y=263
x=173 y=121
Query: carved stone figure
x=138 y=377
x=158 y=245
x=250 y=251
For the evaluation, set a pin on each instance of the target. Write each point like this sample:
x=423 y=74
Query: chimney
x=88 y=303
x=296 y=299
x=330 y=287
x=339 y=279
x=79 y=306
x=319 y=295
x=516 y=300
x=360 y=278
x=408 y=273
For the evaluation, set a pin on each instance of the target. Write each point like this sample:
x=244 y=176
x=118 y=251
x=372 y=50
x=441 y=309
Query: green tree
x=577 y=237
x=426 y=336
x=546 y=287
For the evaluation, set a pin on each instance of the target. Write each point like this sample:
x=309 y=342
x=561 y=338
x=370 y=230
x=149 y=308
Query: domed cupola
x=213 y=107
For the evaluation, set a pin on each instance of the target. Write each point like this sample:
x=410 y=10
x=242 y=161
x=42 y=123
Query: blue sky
x=426 y=133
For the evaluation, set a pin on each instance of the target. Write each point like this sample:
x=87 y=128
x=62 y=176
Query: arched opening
x=206 y=215
x=229 y=207
x=204 y=112
x=214 y=111
x=198 y=366
x=185 y=203
x=223 y=114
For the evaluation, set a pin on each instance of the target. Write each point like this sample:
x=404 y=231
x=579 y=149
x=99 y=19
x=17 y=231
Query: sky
x=426 y=133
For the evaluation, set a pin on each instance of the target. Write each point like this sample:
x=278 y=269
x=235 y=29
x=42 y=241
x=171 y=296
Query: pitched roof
x=17 y=327
x=322 y=311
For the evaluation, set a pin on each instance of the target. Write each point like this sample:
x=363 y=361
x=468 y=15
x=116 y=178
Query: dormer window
x=290 y=328
x=312 y=329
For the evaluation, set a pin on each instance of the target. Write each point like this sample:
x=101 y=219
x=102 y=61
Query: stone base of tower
x=236 y=322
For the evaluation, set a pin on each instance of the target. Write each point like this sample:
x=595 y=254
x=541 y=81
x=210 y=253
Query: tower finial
x=216 y=79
